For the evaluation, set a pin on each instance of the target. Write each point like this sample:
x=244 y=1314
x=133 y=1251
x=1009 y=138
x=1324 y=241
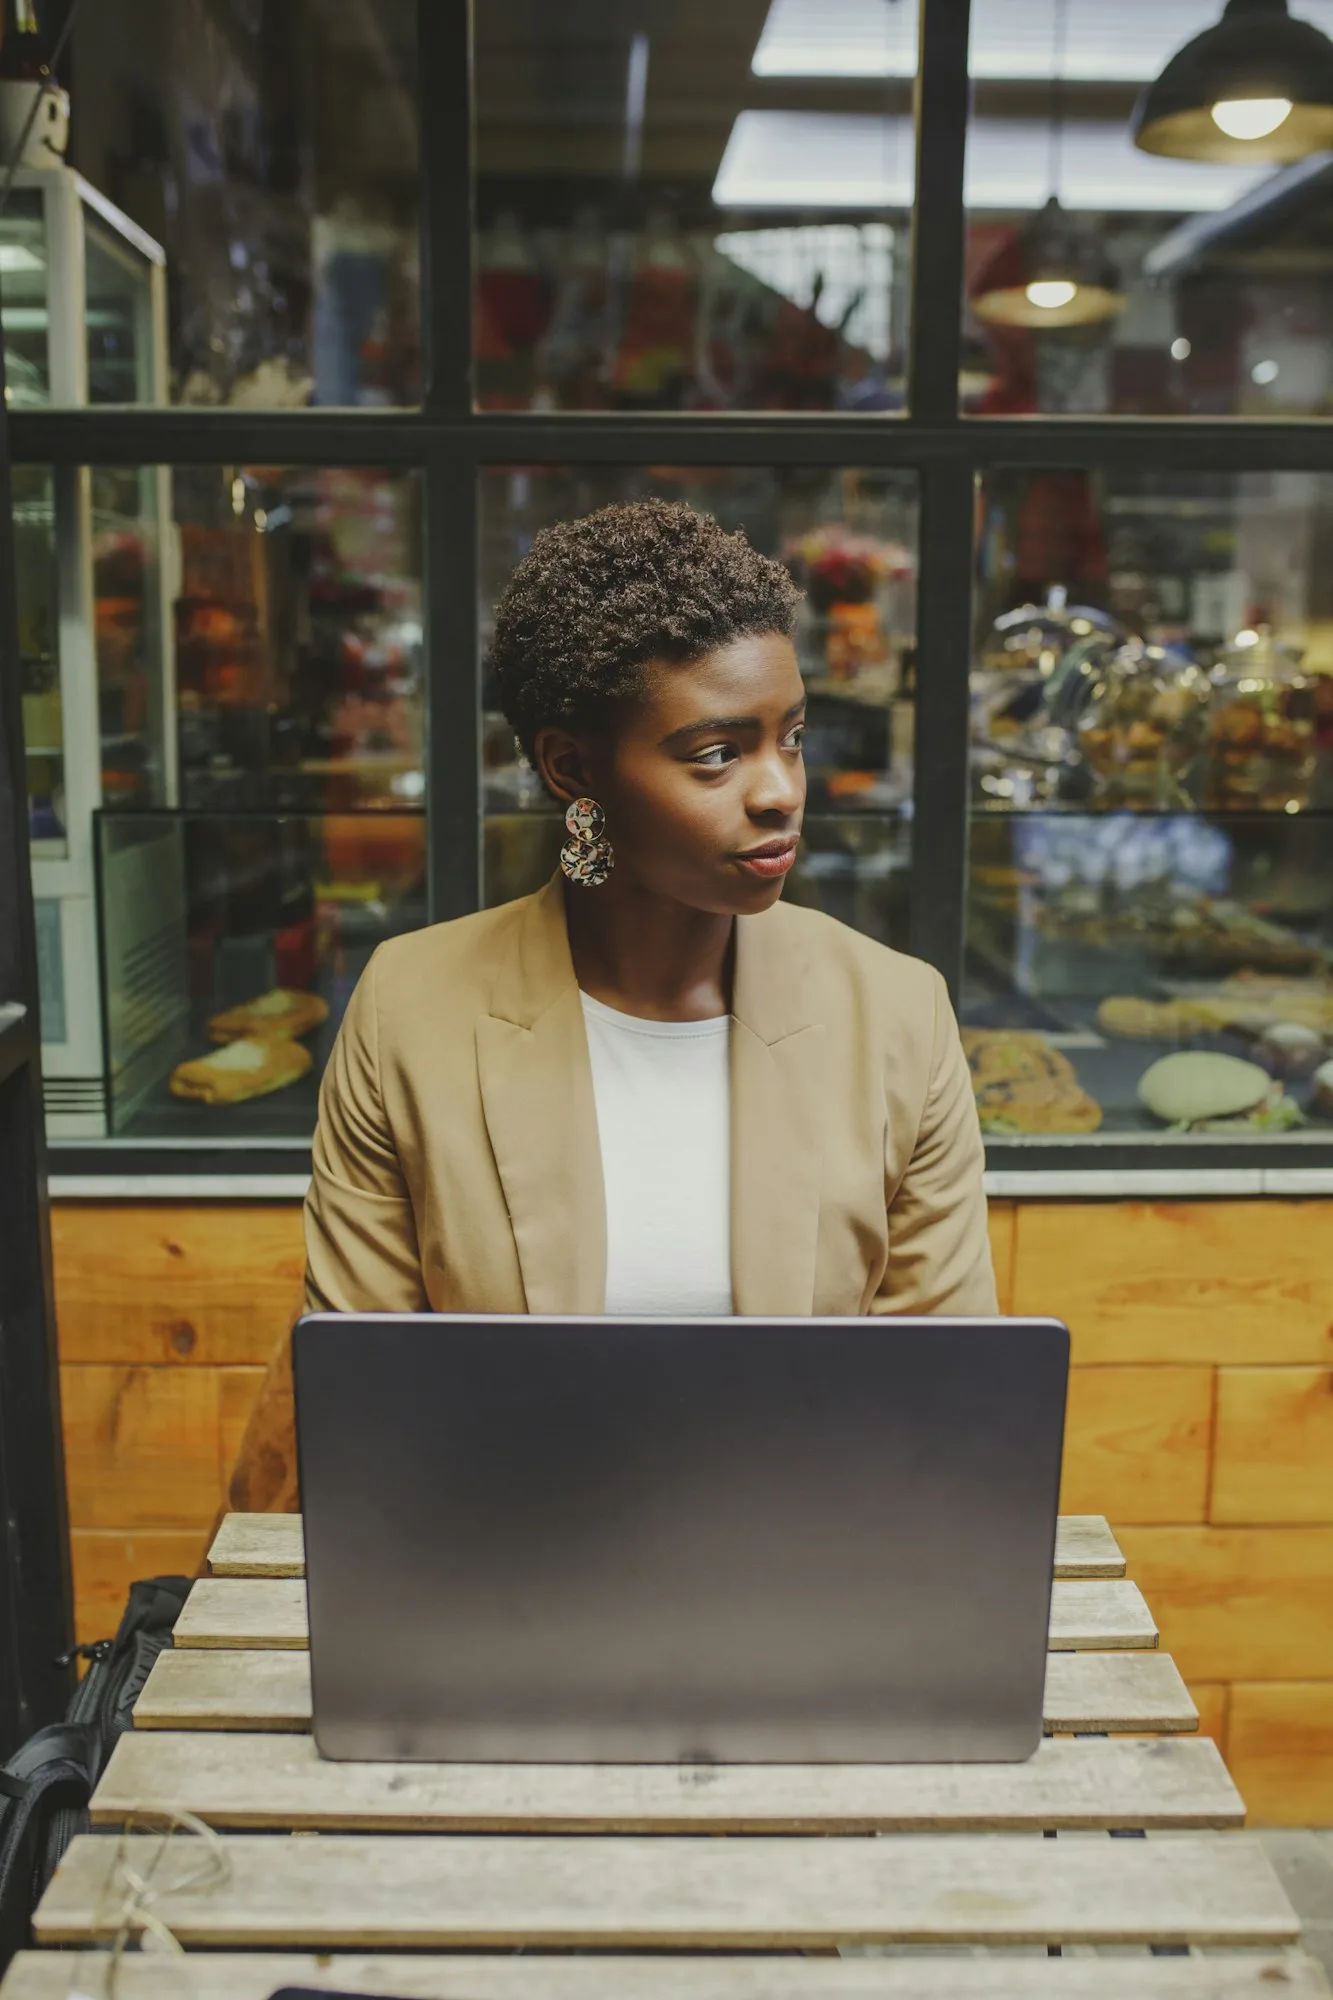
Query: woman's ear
x=562 y=764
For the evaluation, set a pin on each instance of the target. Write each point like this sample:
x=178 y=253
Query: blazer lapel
x=536 y=1091
x=777 y=1077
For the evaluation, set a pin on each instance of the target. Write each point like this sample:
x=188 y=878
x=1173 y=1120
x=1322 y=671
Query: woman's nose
x=778 y=787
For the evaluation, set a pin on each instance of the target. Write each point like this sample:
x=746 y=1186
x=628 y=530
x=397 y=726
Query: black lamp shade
x=1257 y=50
x=1051 y=250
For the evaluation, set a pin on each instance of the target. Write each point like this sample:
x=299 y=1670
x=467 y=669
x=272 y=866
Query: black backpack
x=46 y=1785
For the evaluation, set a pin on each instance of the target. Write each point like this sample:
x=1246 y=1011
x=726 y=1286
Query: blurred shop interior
x=228 y=669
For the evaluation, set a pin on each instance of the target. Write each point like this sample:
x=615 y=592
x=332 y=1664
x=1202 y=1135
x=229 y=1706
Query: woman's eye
x=797 y=737
x=716 y=755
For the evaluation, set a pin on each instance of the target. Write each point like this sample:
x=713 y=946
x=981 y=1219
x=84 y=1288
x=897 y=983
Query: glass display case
x=239 y=639
x=84 y=321
x=1150 y=939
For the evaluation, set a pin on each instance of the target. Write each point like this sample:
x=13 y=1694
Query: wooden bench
x=928 y=1863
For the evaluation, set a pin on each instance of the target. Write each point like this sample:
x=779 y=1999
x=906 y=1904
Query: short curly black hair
x=595 y=600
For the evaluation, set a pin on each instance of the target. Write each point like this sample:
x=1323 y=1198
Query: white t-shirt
x=664 y=1119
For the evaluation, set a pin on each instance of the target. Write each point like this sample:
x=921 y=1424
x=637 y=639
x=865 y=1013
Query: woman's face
x=702 y=780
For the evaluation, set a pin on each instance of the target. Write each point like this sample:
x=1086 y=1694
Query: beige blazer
x=457 y=1165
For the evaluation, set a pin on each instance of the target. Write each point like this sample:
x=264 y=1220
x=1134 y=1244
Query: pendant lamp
x=1053 y=273
x=1257 y=86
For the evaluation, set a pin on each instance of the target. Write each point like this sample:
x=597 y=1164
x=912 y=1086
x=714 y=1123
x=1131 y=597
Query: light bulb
x=1049 y=294
x=1250 y=117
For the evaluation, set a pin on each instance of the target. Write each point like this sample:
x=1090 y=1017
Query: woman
x=649 y=1088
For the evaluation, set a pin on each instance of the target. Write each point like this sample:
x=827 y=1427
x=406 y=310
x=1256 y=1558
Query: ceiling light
x=1181 y=349
x=1264 y=372
x=14 y=257
x=1051 y=274
x=1250 y=117
x=1256 y=86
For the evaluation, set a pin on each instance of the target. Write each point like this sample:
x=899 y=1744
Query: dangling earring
x=586 y=857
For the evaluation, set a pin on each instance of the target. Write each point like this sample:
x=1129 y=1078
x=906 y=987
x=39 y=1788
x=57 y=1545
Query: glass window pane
x=1150 y=914
x=209 y=652
x=23 y=276
x=1163 y=284
x=850 y=538
x=693 y=208
x=272 y=152
x=124 y=364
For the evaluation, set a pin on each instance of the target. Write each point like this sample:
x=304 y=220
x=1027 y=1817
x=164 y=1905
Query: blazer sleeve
x=939 y=1247
x=360 y=1231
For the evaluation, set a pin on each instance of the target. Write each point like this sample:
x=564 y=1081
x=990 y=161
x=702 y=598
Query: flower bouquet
x=836 y=566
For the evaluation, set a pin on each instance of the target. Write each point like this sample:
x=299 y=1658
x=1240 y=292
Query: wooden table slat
x=205 y=1688
x=54 y=1975
x=368 y=1891
x=266 y=1612
x=272 y=1545
x=283 y=1782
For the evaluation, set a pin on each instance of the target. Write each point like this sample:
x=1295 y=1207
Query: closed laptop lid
x=641 y=1541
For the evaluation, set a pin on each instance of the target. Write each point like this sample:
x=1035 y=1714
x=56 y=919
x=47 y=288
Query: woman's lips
x=769 y=862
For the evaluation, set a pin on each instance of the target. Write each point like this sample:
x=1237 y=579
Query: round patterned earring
x=586 y=857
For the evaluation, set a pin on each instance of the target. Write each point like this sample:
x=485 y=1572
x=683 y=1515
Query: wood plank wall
x=1200 y=1422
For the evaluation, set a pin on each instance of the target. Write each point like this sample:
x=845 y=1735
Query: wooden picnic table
x=976 y=1880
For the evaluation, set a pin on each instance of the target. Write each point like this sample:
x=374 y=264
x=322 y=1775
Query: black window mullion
x=944 y=647
x=444 y=107
x=453 y=686
x=404 y=438
x=939 y=222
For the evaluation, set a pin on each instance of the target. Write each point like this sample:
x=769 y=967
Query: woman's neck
x=646 y=956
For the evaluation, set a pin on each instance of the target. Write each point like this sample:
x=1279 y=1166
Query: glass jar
x=1022 y=750
x=1261 y=728
x=1143 y=724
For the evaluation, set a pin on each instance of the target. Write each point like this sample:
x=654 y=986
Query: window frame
x=449 y=441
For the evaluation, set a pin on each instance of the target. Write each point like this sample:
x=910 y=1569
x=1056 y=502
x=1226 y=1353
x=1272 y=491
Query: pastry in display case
x=1184 y=933
x=1262 y=728
x=242 y=1069
x=1023 y=1085
x=1200 y=1090
x=280 y=1013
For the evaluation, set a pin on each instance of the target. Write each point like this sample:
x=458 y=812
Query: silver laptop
x=650 y=1541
